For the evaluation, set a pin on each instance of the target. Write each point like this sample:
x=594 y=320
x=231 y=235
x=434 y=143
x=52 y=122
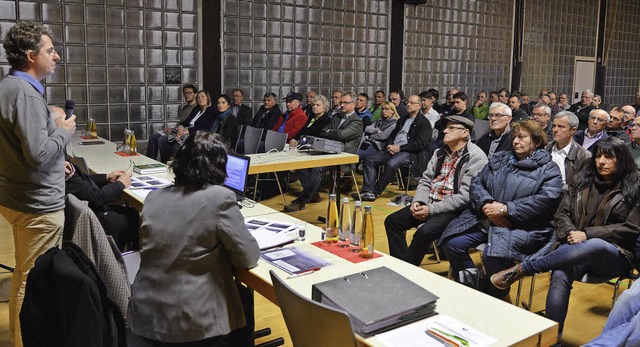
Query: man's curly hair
x=21 y=38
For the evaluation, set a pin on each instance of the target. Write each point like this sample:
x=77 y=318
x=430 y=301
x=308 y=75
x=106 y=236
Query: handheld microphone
x=69 y=106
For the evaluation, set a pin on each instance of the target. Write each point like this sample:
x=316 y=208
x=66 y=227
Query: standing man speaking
x=32 y=148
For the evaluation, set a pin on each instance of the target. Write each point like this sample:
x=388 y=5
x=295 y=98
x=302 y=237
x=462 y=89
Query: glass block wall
x=301 y=45
x=623 y=57
x=555 y=32
x=458 y=43
x=123 y=62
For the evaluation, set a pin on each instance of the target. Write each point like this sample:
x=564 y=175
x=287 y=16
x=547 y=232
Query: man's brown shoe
x=295 y=205
x=505 y=278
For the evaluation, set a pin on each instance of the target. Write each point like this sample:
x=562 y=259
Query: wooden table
x=510 y=325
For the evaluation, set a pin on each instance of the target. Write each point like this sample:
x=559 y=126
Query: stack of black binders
x=376 y=300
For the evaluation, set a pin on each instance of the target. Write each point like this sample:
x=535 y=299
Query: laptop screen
x=237 y=173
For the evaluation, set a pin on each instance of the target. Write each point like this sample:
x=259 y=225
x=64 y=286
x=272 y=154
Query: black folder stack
x=376 y=300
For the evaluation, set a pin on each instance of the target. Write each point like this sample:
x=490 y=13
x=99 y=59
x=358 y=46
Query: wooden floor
x=589 y=307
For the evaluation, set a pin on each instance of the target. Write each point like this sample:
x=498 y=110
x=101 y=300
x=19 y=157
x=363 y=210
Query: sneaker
x=295 y=205
x=368 y=196
x=505 y=278
x=355 y=196
x=315 y=198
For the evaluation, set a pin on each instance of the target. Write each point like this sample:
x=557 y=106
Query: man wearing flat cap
x=442 y=193
x=292 y=121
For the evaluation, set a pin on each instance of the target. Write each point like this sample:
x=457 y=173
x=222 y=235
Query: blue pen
x=150 y=188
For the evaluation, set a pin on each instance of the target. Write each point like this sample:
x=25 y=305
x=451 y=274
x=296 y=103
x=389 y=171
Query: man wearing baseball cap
x=442 y=193
x=292 y=121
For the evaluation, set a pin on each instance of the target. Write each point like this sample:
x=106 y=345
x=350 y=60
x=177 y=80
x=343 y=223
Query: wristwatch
x=503 y=209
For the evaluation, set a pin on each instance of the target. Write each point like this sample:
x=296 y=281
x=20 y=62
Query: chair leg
x=436 y=252
x=10 y=269
x=399 y=179
x=531 y=290
x=517 y=302
x=255 y=187
x=355 y=183
x=280 y=187
x=406 y=185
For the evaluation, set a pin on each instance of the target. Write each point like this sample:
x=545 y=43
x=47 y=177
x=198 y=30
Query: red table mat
x=126 y=154
x=344 y=252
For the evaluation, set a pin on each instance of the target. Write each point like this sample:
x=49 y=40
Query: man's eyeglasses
x=454 y=128
x=634 y=126
x=414 y=102
x=345 y=102
x=599 y=120
x=537 y=115
x=496 y=115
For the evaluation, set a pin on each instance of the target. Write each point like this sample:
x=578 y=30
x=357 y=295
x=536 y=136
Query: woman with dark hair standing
x=185 y=291
x=597 y=224
x=223 y=124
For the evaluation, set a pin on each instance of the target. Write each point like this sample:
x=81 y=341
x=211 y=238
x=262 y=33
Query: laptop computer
x=237 y=174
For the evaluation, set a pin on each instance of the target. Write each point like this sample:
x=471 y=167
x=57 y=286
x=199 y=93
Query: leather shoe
x=315 y=198
x=505 y=278
x=368 y=196
x=295 y=205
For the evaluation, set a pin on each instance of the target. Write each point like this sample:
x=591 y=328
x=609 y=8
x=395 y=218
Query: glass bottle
x=367 y=234
x=345 y=224
x=356 y=227
x=331 y=226
x=133 y=143
x=126 y=141
x=94 y=129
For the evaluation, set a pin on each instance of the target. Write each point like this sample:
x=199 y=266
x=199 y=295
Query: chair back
x=311 y=323
x=252 y=137
x=80 y=162
x=480 y=128
x=275 y=141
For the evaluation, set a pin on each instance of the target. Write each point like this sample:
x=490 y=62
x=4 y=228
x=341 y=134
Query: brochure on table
x=148 y=182
x=293 y=260
x=270 y=233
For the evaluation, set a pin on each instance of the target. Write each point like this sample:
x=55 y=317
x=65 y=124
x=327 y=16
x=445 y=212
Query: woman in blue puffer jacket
x=513 y=200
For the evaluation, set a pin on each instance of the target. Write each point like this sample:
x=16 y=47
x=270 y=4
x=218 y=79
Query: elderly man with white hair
x=596 y=131
x=499 y=138
x=583 y=108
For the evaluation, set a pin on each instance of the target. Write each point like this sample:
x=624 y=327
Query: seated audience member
x=363 y=112
x=614 y=125
x=308 y=108
x=447 y=107
x=568 y=155
x=318 y=120
x=563 y=101
x=436 y=95
x=335 y=101
x=442 y=193
x=407 y=144
x=597 y=227
x=517 y=114
x=396 y=97
x=480 y=109
x=629 y=115
x=541 y=113
x=189 y=94
x=553 y=103
x=268 y=113
x=503 y=95
x=493 y=97
x=499 y=138
x=513 y=200
x=597 y=101
x=294 y=119
x=583 y=108
x=346 y=128
x=426 y=108
x=527 y=106
x=196 y=242
x=240 y=111
x=224 y=123
x=598 y=120
x=634 y=145
x=623 y=325
x=375 y=109
x=376 y=134
x=201 y=118
x=102 y=191
x=636 y=106
x=459 y=106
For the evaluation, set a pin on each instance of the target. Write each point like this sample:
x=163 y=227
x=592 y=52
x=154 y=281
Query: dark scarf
x=219 y=120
